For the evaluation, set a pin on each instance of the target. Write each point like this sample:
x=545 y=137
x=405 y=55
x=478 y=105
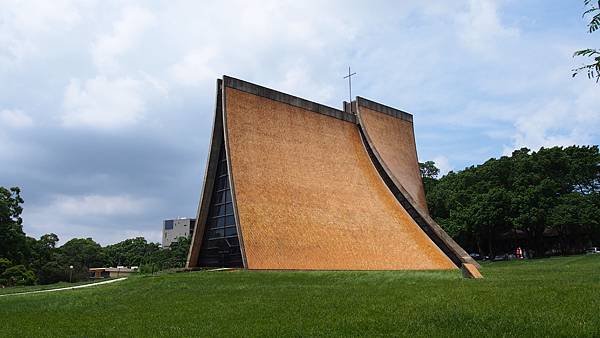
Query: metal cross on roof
x=349 y=77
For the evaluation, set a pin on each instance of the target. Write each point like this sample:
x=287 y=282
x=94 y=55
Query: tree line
x=545 y=202
x=25 y=260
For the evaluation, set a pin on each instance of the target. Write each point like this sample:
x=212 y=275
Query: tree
x=593 y=69
x=575 y=218
x=47 y=261
x=172 y=257
x=133 y=251
x=43 y=250
x=82 y=254
x=13 y=242
x=52 y=272
x=527 y=199
x=428 y=169
x=17 y=275
x=429 y=173
x=584 y=172
x=179 y=251
x=48 y=241
x=4 y=264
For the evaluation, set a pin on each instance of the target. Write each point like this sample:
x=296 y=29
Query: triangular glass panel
x=220 y=243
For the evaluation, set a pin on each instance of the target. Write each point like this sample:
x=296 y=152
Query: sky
x=106 y=107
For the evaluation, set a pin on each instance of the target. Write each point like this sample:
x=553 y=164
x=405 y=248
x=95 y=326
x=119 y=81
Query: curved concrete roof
x=315 y=187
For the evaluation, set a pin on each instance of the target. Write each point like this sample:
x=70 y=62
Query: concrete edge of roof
x=292 y=100
x=397 y=113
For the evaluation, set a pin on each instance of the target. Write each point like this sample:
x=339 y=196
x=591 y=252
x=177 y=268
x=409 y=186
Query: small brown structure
x=292 y=184
x=99 y=273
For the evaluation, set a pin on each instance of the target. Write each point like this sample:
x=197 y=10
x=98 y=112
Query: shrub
x=17 y=275
x=4 y=264
x=52 y=272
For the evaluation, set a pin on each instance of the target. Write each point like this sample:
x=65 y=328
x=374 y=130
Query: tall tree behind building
x=527 y=199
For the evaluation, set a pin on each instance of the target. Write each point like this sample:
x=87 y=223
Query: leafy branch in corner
x=592 y=69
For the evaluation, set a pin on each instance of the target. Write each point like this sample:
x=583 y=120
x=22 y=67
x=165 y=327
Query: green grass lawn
x=19 y=289
x=550 y=297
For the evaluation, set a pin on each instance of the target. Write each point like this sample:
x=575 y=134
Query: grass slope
x=19 y=289
x=551 y=297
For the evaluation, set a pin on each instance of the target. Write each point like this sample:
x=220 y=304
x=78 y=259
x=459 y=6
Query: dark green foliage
x=528 y=199
x=4 y=264
x=52 y=272
x=149 y=268
x=82 y=252
x=130 y=252
x=574 y=217
x=555 y=297
x=594 y=10
x=429 y=172
x=173 y=257
x=428 y=169
x=148 y=256
x=593 y=69
x=17 y=275
x=13 y=243
x=42 y=250
x=176 y=255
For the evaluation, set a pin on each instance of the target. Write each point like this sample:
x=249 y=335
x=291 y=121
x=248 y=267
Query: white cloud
x=157 y=84
x=79 y=216
x=296 y=79
x=15 y=119
x=442 y=163
x=37 y=16
x=103 y=103
x=97 y=205
x=480 y=28
x=562 y=121
x=197 y=66
x=24 y=23
x=125 y=34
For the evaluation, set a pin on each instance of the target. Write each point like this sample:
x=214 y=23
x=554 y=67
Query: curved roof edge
x=435 y=232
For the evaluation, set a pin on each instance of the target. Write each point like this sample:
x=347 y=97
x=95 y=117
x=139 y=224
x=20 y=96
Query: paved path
x=67 y=288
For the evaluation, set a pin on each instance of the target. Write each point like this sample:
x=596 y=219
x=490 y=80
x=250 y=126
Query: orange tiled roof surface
x=394 y=139
x=308 y=196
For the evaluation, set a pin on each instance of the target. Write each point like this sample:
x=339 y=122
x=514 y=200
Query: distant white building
x=175 y=228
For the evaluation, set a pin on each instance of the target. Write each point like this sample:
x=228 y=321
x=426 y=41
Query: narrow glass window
x=230 y=231
x=220 y=243
x=228 y=209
